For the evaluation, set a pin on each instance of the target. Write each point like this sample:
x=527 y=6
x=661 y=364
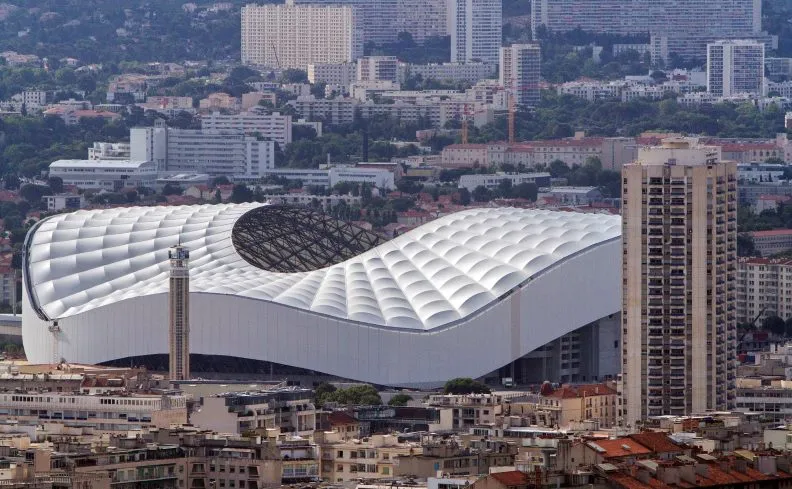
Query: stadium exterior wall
x=571 y=293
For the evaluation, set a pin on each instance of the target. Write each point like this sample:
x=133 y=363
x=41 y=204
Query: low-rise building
x=764 y=288
x=220 y=101
x=492 y=181
x=452 y=459
x=465 y=156
x=326 y=202
x=574 y=195
x=379 y=178
x=341 y=74
x=113 y=175
x=103 y=413
x=63 y=201
x=772 y=242
x=596 y=402
x=448 y=72
x=369 y=458
x=289 y=409
x=462 y=412
x=108 y=151
x=770 y=202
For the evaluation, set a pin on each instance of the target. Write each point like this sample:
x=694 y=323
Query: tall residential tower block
x=679 y=237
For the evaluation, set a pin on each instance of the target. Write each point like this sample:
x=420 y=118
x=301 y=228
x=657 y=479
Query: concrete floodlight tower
x=179 y=324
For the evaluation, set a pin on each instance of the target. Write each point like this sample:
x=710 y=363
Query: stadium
x=465 y=295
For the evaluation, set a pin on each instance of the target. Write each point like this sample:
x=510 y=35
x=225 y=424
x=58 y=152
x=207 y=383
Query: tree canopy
x=465 y=385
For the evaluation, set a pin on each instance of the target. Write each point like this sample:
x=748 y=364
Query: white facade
x=450 y=72
x=295 y=36
x=103 y=413
x=63 y=201
x=229 y=153
x=735 y=67
x=491 y=181
x=475 y=27
x=291 y=410
x=275 y=127
x=497 y=277
x=341 y=74
x=109 y=151
x=373 y=176
x=378 y=68
x=519 y=72
x=110 y=175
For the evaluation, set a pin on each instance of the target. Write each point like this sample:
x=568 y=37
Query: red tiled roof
x=765 y=261
x=511 y=478
x=340 y=418
x=616 y=448
x=570 y=392
x=735 y=147
x=770 y=233
x=657 y=442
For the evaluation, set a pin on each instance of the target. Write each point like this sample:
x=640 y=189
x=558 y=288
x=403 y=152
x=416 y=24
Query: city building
x=574 y=195
x=373 y=458
x=764 y=288
x=105 y=413
x=378 y=68
x=291 y=35
x=448 y=72
x=772 y=242
x=229 y=153
x=339 y=74
x=274 y=126
x=112 y=175
x=334 y=308
x=475 y=27
x=735 y=67
x=680 y=262
x=422 y=18
x=519 y=72
x=597 y=402
x=376 y=18
x=63 y=201
x=290 y=410
x=455 y=459
x=492 y=181
x=673 y=27
x=379 y=178
x=109 y=151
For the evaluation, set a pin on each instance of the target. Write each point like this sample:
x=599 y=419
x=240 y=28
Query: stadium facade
x=463 y=295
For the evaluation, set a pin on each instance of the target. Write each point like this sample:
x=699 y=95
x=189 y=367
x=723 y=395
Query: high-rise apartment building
x=422 y=18
x=375 y=17
x=476 y=29
x=679 y=281
x=229 y=153
x=294 y=36
x=764 y=288
x=275 y=126
x=735 y=67
x=519 y=72
x=179 y=324
x=677 y=27
x=378 y=68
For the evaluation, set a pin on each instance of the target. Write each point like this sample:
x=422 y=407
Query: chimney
x=668 y=474
x=643 y=476
x=687 y=473
x=703 y=470
x=766 y=464
x=740 y=465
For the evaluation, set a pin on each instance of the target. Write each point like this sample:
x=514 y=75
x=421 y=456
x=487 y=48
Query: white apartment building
x=340 y=74
x=492 y=181
x=764 y=288
x=229 y=153
x=319 y=178
x=735 y=67
x=103 y=413
x=449 y=72
x=109 y=151
x=519 y=72
x=274 y=127
x=679 y=235
x=374 y=457
x=680 y=27
x=378 y=68
x=379 y=178
x=295 y=36
x=33 y=100
x=476 y=30
x=422 y=18
x=376 y=18
x=289 y=409
x=63 y=201
x=110 y=175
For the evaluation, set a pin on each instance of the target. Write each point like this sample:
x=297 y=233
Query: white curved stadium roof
x=104 y=269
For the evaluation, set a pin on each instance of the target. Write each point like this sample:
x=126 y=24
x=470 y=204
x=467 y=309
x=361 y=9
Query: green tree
x=55 y=184
x=774 y=324
x=400 y=400
x=526 y=190
x=171 y=189
x=465 y=385
x=745 y=245
x=482 y=194
x=241 y=193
